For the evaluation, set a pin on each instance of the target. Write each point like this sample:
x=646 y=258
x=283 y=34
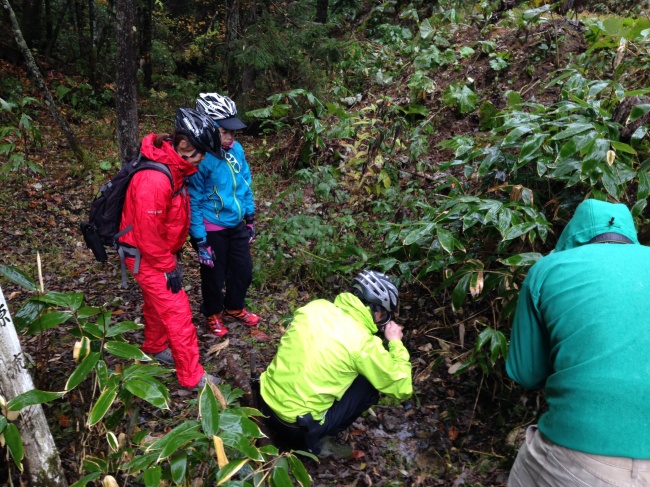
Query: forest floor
x=456 y=430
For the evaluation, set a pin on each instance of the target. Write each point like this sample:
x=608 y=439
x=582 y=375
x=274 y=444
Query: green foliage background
x=349 y=157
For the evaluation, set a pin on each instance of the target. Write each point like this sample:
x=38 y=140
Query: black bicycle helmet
x=221 y=109
x=202 y=132
x=373 y=287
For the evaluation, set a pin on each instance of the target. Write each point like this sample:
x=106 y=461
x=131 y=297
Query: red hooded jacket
x=160 y=222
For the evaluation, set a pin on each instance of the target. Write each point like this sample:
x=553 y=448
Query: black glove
x=250 y=223
x=174 y=280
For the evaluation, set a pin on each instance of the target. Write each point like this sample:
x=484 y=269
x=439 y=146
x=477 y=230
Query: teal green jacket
x=582 y=331
x=324 y=349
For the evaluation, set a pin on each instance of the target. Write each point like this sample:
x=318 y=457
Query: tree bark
x=36 y=74
x=42 y=461
x=127 y=96
x=145 y=43
x=232 y=34
x=321 y=11
x=92 y=53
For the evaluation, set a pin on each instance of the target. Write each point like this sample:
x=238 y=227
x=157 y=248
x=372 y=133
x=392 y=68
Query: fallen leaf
x=453 y=433
x=356 y=454
x=219 y=346
x=259 y=335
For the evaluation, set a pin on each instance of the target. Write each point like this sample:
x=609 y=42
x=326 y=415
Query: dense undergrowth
x=447 y=147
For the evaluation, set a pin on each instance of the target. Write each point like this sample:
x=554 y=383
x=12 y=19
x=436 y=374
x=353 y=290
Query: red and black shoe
x=216 y=326
x=241 y=315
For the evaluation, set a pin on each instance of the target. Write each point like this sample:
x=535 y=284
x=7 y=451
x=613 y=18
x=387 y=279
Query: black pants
x=233 y=267
x=360 y=396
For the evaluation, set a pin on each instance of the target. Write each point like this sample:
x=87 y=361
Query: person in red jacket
x=159 y=219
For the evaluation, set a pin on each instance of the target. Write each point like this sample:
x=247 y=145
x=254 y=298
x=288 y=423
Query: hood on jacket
x=594 y=217
x=353 y=306
x=166 y=154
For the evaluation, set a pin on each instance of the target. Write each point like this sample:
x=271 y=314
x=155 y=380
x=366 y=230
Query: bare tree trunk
x=232 y=34
x=49 y=101
x=92 y=54
x=42 y=461
x=57 y=28
x=127 y=96
x=145 y=42
x=321 y=11
x=32 y=22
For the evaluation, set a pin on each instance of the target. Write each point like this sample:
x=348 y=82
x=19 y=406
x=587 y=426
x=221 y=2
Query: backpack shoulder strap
x=144 y=163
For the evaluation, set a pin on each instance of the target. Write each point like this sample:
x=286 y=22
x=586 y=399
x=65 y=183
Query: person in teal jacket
x=222 y=220
x=330 y=366
x=581 y=331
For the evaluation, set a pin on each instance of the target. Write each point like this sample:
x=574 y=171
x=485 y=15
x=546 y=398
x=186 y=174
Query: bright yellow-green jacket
x=326 y=347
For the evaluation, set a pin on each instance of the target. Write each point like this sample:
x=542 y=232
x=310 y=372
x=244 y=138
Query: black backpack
x=103 y=225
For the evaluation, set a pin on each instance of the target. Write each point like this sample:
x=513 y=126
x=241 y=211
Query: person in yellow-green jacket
x=330 y=366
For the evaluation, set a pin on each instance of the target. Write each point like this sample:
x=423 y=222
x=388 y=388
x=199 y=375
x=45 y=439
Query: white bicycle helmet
x=373 y=287
x=221 y=109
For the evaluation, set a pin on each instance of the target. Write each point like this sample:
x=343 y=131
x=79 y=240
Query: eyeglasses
x=192 y=155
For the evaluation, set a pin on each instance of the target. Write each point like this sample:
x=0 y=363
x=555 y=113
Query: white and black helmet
x=201 y=131
x=221 y=109
x=373 y=287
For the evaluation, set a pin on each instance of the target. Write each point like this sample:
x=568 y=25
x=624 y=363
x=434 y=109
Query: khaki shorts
x=542 y=463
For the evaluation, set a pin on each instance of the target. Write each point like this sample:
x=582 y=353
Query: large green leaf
x=126 y=350
x=643 y=191
x=82 y=370
x=66 y=300
x=140 y=462
x=446 y=239
x=597 y=151
x=622 y=147
x=101 y=406
x=47 y=320
x=14 y=445
x=28 y=314
x=426 y=30
x=178 y=463
x=419 y=232
x=87 y=311
x=185 y=427
x=460 y=292
x=523 y=259
x=94 y=464
x=31 y=398
x=638 y=112
x=18 y=277
x=178 y=440
x=150 y=391
x=299 y=472
x=530 y=147
x=571 y=130
x=519 y=230
x=209 y=412
x=152 y=476
x=280 y=477
x=123 y=327
x=83 y=481
x=512 y=139
x=231 y=469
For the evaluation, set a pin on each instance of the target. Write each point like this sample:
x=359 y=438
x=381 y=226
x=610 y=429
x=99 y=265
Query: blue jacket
x=221 y=192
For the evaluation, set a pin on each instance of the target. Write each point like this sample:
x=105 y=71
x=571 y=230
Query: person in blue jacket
x=222 y=220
